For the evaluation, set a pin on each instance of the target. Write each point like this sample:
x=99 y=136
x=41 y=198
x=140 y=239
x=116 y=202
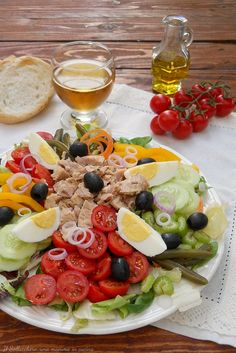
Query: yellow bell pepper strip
x=4 y=177
x=17 y=184
x=26 y=200
x=12 y=204
x=160 y=154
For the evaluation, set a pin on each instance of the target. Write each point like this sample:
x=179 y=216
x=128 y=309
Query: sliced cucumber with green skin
x=13 y=248
x=179 y=192
x=12 y=265
x=187 y=173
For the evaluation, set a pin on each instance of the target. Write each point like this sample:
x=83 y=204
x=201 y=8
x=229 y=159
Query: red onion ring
x=22 y=162
x=19 y=212
x=116 y=161
x=131 y=150
x=61 y=256
x=90 y=242
x=73 y=236
x=163 y=215
x=157 y=201
x=129 y=164
x=68 y=226
x=10 y=182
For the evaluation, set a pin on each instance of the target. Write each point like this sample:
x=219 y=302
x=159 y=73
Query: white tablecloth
x=214 y=151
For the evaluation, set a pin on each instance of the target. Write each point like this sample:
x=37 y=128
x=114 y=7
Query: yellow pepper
x=26 y=200
x=17 y=184
x=4 y=177
x=12 y=204
x=160 y=154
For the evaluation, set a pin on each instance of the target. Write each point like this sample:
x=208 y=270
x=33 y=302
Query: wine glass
x=83 y=76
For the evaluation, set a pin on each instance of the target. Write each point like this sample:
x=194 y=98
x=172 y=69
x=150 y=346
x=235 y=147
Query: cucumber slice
x=12 y=265
x=13 y=248
x=179 y=192
x=187 y=173
x=44 y=244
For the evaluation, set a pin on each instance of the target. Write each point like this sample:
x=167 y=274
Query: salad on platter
x=101 y=228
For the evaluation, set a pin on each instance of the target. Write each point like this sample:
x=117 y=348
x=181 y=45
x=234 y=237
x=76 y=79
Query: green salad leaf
x=141 y=141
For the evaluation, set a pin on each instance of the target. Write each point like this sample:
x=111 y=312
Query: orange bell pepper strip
x=23 y=199
x=4 y=177
x=12 y=204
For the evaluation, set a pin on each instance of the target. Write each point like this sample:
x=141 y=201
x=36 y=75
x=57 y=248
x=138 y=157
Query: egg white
x=165 y=171
x=35 y=143
x=29 y=232
x=151 y=246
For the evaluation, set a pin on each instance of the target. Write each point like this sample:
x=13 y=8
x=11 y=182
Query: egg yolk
x=45 y=219
x=47 y=154
x=134 y=229
x=148 y=171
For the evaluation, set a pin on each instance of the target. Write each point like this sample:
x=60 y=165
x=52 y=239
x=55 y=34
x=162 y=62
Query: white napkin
x=213 y=150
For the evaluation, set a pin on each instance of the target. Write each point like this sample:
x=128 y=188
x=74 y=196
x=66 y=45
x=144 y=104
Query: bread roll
x=25 y=88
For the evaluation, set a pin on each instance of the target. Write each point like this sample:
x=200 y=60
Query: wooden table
x=130 y=28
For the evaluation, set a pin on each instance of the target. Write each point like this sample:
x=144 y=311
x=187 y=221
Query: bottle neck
x=173 y=36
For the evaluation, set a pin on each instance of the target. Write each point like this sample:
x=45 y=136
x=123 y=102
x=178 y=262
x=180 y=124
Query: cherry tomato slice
x=95 y=295
x=52 y=267
x=59 y=242
x=112 y=288
x=19 y=153
x=138 y=265
x=45 y=135
x=104 y=218
x=40 y=289
x=13 y=166
x=72 y=286
x=41 y=172
x=77 y=262
x=98 y=247
x=103 y=270
x=117 y=245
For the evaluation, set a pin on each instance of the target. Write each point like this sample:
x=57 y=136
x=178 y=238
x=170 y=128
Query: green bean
x=60 y=145
x=58 y=135
x=163 y=285
x=184 y=247
x=179 y=253
x=213 y=246
x=186 y=272
x=66 y=139
x=80 y=129
x=187 y=262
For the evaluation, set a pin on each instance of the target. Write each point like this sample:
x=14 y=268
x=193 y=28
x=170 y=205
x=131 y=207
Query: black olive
x=145 y=161
x=144 y=200
x=78 y=149
x=172 y=240
x=6 y=215
x=93 y=182
x=197 y=221
x=39 y=192
x=120 y=269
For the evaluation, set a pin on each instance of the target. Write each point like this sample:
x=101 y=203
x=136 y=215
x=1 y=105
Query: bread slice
x=25 y=88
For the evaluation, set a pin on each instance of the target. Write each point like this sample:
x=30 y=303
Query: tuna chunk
x=60 y=174
x=90 y=160
x=83 y=192
x=52 y=201
x=84 y=219
x=66 y=188
x=67 y=214
x=133 y=185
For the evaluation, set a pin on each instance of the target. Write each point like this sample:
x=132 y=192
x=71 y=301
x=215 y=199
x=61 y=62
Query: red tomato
x=103 y=270
x=208 y=106
x=138 y=266
x=112 y=288
x=72 y=286
x=155 y=127
x=40 y=289
x=41 y=172
x=19 y=153
x=95 y=295
x=59 y=242
x=159 y=103
x=45 y=135
x=77 y=262
x=198 y=91
x=168 y=120
x=182 y=99
x=117 y=245
x=183 y=130
x=52 y=267
x=214 y=92
x=224 y=106
x=199 y=121
x=98 y=247
x=104 y=218
x=14 y=167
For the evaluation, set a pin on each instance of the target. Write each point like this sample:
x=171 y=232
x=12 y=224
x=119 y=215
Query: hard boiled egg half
x=139 y=234
x=39 y=226
x=155 y=173
x=39 y=147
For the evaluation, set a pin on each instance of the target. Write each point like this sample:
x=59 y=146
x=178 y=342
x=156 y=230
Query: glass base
x=70 y=118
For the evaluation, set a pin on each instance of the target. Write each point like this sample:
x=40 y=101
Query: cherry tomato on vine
x=209 y=106
x=183 y=130
x=215 y=92
x=198 y=91
x=224 y=106
x=168 y=120
x=155 y=127
x=182 y=99
x=159 y=103
x=199 y=121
